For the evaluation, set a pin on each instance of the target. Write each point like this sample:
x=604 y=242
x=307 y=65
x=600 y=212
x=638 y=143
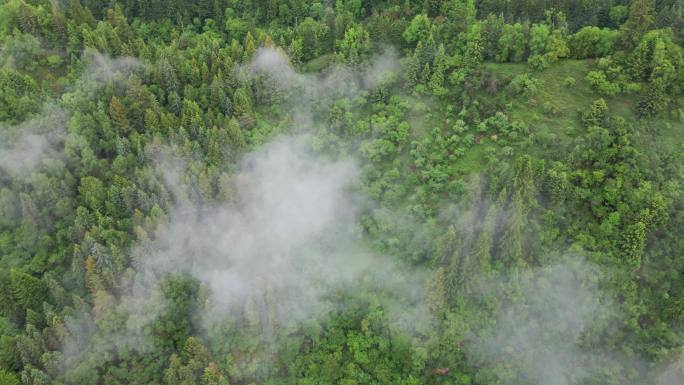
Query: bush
x=618 y=14
x=604 y=63
x=8 y=378
x=498 y=122
x=598 y=81
x=53 y=61
x=549 y=108
x=524 y=85
x=653 y=100
x=596 y=114
x=538 y=62
x=631 y=88
x=23 y=51
x=569 y=81
x=592 y=42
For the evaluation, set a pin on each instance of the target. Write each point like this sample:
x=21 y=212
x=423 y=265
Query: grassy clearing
x=552 y=113
x=318 y=64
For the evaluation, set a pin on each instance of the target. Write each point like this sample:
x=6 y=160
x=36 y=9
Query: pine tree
x=103 y=304
x=28 y=22
x=653 y=100
x=8 y=378
x=151 y=121
x=235 y=137
x=596 y=114
x=482 y=249
x=437 y=292
x=511 y=245
x=205 y=8
x=28 y=291
x=117 y=113
x=250 y=48
x=242 y=105
x=425 y=74
x=59 y=24
x=523 y=181
x=439 y=66
x=93 y=279
x=195 y=354
x=212 y=376
x=167 y=76
x=218 y=98
x=173 y=375
x=8 y=307
x=412 y=72
x=80 y=14
x=9 y=357
x=34 y=318
x=641 y=19
x=633 y=243
x=191 y=118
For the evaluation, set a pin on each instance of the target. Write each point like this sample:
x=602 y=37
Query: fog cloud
x=24 y=146
x=103 y=68
x=287 y=239
x=336 y=81
x=539 y=329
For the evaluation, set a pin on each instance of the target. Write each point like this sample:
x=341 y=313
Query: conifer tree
x=117 y=113
x=511 y=244
x=28 y=291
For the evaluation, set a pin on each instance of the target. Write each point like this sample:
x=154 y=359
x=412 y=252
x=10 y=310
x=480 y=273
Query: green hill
x=353 y=192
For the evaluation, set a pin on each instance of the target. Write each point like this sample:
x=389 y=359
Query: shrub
x=524 y=85
x=598 y=81
x=592 y=42
x=538 y=62
x=569 y=81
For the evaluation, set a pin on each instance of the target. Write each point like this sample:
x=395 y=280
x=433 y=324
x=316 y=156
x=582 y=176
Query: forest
x=353 y=192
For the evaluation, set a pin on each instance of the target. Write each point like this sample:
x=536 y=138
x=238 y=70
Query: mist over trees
x=222 y=192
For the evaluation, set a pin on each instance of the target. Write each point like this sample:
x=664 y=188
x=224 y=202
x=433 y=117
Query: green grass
x=552 y=113
x=318 y=64
x=473 y=159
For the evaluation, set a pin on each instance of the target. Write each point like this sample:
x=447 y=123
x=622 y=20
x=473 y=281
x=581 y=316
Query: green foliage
x=653 y=100
x=418 y=30
x=599 y=81
x=356 y=349
x=524 y=85
x=618 y=14
x=483 y=157
x=592 y=42
x=596 y=115
x=22 y=51
x=19 y=96
x=7 y=378
x=540 y=35
x=174 y=327
x=354 y=46
x=512 y=43
x=639 y=21
x=28 y=292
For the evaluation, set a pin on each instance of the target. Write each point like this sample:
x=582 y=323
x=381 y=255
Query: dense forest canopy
x=345 y=192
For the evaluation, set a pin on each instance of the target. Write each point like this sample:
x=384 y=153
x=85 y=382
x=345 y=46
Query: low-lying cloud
x=338 y=80
x=539 y=333
x=289 y=233
x=24 y=146
x=283 y=244
x=103 y=68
